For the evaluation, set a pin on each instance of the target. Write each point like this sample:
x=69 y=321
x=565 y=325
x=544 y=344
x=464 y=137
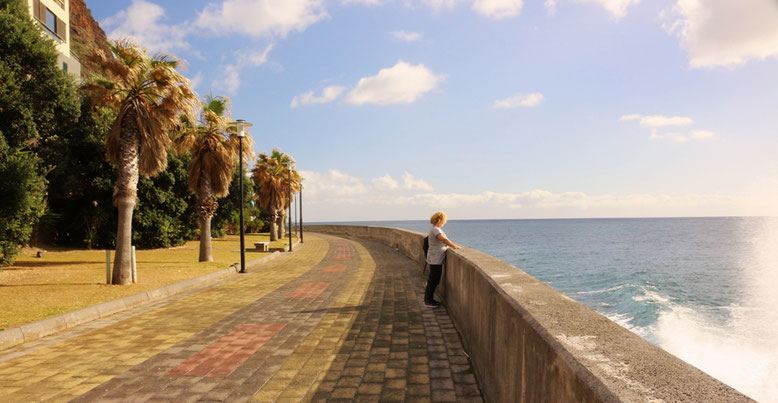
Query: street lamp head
x=241 y=126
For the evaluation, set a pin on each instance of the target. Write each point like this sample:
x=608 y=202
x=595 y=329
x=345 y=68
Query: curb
x=41 y=328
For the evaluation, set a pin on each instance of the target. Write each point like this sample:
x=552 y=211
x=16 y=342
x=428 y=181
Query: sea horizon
x=544 y=218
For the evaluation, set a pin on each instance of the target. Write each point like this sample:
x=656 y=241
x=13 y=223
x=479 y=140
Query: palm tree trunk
x=281 y=227
x=206 y=207
x=122 y=267
x=125 y=195
x=273 y=226
x=206 y=253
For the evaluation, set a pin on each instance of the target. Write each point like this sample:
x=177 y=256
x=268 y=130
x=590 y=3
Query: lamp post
x=301 y=214
x=241 y=126
x=289 y=173
x=293 y=211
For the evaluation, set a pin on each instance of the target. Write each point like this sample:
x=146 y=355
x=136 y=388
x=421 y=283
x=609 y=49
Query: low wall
x=529 y=343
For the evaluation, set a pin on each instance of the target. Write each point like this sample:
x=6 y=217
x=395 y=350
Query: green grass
x=64 y=280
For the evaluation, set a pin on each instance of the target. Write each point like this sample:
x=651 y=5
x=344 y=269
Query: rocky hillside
x=85 y=32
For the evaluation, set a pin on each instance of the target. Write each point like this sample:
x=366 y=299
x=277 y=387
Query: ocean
x=704 y=289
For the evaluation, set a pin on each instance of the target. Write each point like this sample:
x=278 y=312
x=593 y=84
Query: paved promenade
x=337 y=319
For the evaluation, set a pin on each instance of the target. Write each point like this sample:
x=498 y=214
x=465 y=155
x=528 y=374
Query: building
x=54 y=19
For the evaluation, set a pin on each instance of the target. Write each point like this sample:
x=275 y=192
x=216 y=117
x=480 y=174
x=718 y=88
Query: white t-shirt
x=437 y=250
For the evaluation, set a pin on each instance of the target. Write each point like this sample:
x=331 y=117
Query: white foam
x=615 y=288
x=744 y=360
x=651 y=296
x=625 y=320
x=742 y=350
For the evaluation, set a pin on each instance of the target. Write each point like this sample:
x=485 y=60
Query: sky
x=492 y=109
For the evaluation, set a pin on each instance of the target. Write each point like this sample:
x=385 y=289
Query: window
x=51 y=20
x=53 y=26
x=64 y=67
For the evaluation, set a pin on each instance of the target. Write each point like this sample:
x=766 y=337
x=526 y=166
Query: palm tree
x=214 y=145
x=148 y=94
x=296 y=185
x=272 y=177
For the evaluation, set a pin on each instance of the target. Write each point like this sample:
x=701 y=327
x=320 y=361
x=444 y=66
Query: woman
x=438 y=243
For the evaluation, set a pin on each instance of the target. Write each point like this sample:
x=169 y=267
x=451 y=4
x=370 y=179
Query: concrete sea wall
x=530 y=343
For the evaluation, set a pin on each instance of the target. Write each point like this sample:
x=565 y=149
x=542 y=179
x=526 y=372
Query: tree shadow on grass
x=46 y=284
x=33 y=265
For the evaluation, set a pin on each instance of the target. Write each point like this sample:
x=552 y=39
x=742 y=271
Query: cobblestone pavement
x=339 y=319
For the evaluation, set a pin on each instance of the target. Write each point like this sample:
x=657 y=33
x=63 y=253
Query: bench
x=262 y=246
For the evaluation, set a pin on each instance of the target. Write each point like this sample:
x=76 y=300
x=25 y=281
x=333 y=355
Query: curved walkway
x=337 y=319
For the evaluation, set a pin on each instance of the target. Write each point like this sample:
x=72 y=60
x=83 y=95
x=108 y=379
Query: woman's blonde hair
x=438 y=217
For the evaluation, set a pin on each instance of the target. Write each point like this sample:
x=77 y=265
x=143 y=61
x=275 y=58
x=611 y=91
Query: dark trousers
x=432 y=281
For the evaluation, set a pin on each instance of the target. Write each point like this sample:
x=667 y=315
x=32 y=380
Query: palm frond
x=214 y=153
x=152 y=90
x=271 y=174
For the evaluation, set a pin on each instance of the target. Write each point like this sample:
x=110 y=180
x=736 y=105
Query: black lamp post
x=241 y=125
x=289 y=172
x=301 y=214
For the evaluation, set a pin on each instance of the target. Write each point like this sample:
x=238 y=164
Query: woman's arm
x=445 y=240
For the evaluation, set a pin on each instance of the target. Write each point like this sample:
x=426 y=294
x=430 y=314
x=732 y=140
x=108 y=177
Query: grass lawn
x=64 y=280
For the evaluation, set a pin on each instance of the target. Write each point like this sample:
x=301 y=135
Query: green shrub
x=22 y=200
x=37 y=103
x=165 y=215
x=227 y=216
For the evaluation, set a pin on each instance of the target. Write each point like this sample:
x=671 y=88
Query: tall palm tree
x=296 y=184
x=272 y=177
x=214 y=145
x=148 y=94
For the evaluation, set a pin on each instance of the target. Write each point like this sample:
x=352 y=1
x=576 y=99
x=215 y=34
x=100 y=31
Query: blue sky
x=493 y=108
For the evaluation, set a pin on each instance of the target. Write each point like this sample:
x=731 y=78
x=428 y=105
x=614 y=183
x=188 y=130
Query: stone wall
x=528 y=342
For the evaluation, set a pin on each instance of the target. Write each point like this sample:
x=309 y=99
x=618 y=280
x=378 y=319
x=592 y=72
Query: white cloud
x=334 y=185
x=550 y=6
x=701 y=134
x=405 y=36
x=659 y=120
x=724 y=32
x=145 y=23
x=365 y=2
x=254 y=58
x=338 y=196
x=412 y=183
x=515 y=101
x=498 y=9
x=617 y=8
x=197 y=79
x=260 y=18
x=385 y=182
x=328 y=94
x=229 y=78
x=409 y=183
x=439 y=4
x=680 y=137
x=402 y=83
